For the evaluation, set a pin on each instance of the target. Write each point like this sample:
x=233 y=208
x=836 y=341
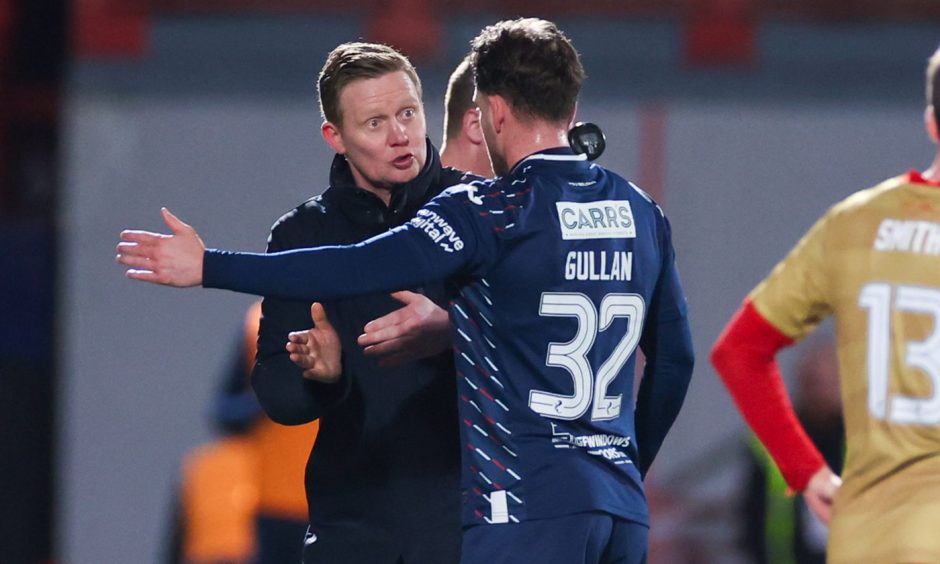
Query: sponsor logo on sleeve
x=608 y=219
x=437 y=228
x=471 y=191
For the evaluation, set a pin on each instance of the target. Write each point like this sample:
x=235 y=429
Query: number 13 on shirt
x=876 y=297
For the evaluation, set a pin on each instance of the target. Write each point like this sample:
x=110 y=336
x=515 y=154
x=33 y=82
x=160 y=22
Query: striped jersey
x=563 y=263
x=564 y=269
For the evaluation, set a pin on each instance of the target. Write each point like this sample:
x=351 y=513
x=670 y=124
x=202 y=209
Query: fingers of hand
x=141 y=237
x=136 y=262
x=144 y=275
x=134 y=249
x=390 y=346
x=394 y=325
x=139 y=250
x=374 y=337
x=388 y=320
x=301 y=360
x=318 y=314
x=173 y=222
x=306 y=348
x=823 y=510
x=406 y=297
x=817 y=506
x=305 y=359
x=145 y=250
x=299 y=337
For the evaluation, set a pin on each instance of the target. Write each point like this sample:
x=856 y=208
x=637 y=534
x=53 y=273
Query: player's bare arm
x=820 y=493
x=170 y=260
x=317 y=351
x=418 y=330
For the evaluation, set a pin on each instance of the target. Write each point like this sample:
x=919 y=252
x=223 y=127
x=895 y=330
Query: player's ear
x=930 y=122
x=471 y=125
x=333 y=137
x=499 y=111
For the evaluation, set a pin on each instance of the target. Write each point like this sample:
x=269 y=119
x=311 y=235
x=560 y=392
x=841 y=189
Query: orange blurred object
x=220 y=499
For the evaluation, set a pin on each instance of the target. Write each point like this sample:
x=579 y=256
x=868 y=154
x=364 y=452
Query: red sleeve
x=745 y=358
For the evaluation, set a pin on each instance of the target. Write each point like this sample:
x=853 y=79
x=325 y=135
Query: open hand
x=418 y=330
x=317 y=350
x=171 y=260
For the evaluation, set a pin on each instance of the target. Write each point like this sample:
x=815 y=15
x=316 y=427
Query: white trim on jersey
x=545 y=157
x=499 y=509
x=641 y=192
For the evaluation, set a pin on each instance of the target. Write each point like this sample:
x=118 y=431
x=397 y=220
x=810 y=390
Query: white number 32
x=572 y=355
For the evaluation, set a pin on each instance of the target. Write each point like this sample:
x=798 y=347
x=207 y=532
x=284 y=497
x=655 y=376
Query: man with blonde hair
x=564 y=270
x=382 y=480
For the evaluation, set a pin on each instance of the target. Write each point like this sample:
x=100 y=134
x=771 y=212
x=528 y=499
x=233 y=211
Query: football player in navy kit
x=564 y=269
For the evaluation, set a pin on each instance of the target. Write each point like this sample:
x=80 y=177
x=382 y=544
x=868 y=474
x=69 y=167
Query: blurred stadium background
x=745 y=118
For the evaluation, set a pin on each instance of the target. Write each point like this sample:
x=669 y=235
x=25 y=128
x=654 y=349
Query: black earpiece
x=587 y=138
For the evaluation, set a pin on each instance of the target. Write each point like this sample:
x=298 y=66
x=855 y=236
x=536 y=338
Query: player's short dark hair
x=530 y=63
x=459 y=98
x=933 y=83
x=349 y=62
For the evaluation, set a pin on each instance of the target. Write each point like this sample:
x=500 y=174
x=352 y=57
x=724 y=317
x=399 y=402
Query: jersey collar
x=556 y=154
x=915 y=177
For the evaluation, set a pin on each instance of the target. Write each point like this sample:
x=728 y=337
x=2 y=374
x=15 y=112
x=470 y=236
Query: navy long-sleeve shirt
x=565 y=269
x=386 y=460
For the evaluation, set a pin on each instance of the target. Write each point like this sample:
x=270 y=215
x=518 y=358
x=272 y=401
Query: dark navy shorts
x=583 y=538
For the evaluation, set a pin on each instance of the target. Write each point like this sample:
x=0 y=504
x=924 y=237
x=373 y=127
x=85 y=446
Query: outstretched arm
x=405 y=257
